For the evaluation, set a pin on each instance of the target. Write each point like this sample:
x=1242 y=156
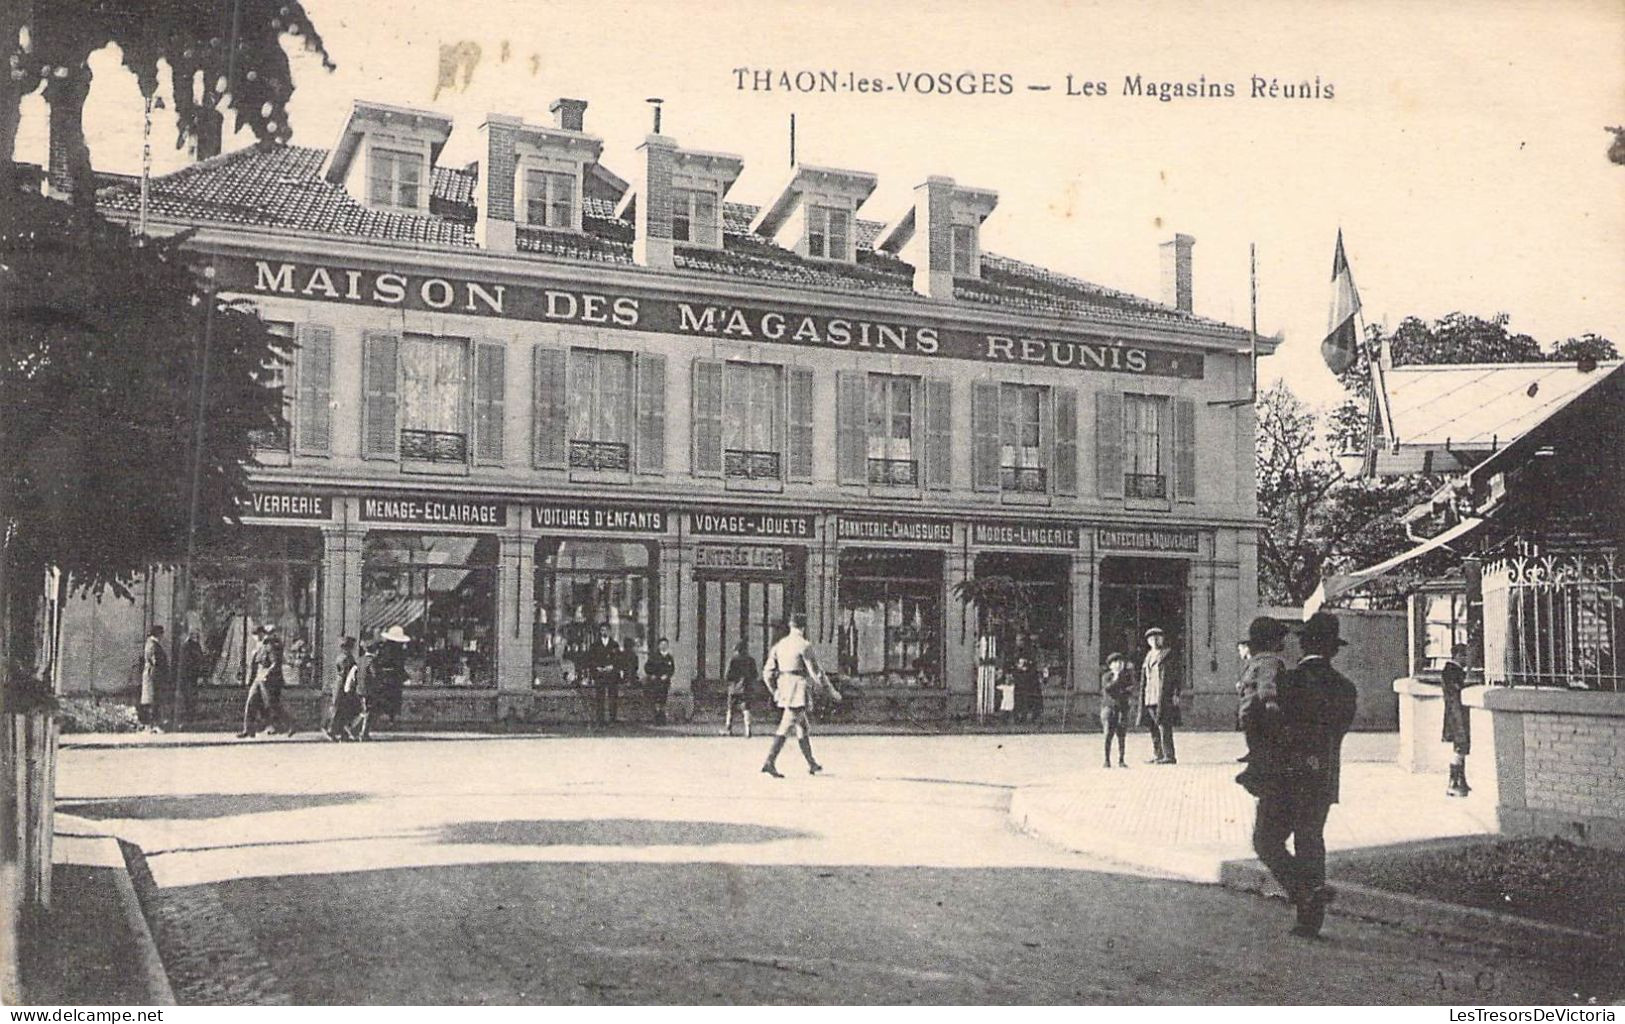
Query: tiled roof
x=282 y=187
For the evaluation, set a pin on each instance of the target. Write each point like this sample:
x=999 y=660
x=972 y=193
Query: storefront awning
x=1335 y=586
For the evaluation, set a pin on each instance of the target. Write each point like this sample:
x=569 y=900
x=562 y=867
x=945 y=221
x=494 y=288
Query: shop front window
x=581 y=584
x=442 y=591
x=261 y=576
x=891 y=617
x=1024 y=606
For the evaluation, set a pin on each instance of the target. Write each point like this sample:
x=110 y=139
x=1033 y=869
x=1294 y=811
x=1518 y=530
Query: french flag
x=1342 y=339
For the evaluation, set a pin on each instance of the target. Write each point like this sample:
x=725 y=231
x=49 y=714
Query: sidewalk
x=93 y=947
x=1186 y=820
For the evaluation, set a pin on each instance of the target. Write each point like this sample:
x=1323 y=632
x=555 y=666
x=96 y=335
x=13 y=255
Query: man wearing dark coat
x=1457 y=725
x=602 y=666
x=1317 y=707
x=658 y=670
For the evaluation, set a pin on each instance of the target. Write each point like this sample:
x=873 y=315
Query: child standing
x=1117 y=685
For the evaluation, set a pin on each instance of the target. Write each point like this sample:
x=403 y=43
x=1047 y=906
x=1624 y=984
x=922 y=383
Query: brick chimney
x=494 y=227
x=65 y=120
x=652 y=185
x=934 y=227
x=1176 y=272
x=206 y=144
x=569 y=114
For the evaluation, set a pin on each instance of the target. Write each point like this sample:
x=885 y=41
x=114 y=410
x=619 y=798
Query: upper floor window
x=964 y=250
x=1145 y=425
x=275 y=377
x=829 y=232
x=1022 y=462
x=753 y=420
x=395 y=178
x=694 y=217
x=550 y=198
x=600 y=409
x=434 y=398
x=893 y=401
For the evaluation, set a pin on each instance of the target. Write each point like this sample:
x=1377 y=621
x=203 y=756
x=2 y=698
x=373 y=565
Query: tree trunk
x=66 y=97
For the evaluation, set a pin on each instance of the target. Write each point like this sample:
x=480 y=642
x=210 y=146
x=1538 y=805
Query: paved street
x=646 y=869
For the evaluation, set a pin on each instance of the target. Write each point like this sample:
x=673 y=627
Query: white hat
x=397 y=634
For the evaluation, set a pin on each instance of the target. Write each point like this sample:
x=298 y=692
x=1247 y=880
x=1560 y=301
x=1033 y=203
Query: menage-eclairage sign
x=698 y=316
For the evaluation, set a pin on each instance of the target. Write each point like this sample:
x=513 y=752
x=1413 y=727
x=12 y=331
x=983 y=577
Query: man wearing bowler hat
x=1159 y=696
x=1317 y=708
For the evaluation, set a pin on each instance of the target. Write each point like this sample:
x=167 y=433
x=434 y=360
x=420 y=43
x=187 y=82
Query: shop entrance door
x=1136 y=594
x=732 y=609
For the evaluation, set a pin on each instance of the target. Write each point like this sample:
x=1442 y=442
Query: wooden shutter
x=1185 y=449
x=800 y=418
x=939 y=420
x=380 y=385
x=1109 y=443
x=707 y=418
x=1065 y=462
x=549 y=408
x=851 y=427
x=490 y=385
x=985 y=435
x=313 y=430
x=651 y=412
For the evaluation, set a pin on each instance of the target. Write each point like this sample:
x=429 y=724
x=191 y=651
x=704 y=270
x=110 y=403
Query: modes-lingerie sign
x=705 y=316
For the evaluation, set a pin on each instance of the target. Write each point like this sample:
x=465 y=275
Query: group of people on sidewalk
x=1157 y=684
x=608 y=666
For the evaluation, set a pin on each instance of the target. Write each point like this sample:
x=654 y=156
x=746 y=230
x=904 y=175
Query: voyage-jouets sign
x=698 y=316
x=585 y=516
x=285 y=505
x=432 y=511
x=1012 y=533
x=1116 y=538
x=913 y=529
x=726 y=523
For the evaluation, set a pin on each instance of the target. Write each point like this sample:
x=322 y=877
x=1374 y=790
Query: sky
x=1462 y=151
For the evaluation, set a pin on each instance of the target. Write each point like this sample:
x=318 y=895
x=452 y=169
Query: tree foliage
x=1317 y=520
x=217 y=53
x=99 y=340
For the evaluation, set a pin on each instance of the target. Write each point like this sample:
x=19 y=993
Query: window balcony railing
x=270 y=439
x=434 y=446
x=1145 y=485
x=894 y=472
x=1024 y=479
x=615 y=456
x=745 y=464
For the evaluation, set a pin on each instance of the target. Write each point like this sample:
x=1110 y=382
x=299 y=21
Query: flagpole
x=1252 y=336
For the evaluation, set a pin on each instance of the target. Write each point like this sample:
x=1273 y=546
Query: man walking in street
x=1159 y=696
x=154 y=678
x=263 y=706
x=789 y=670
x=1317 y=707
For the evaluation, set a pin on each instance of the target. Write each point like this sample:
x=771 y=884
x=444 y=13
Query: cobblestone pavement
x=668 y=869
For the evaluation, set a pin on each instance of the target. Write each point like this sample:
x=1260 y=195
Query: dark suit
x=1317 y=708
x=602 y=664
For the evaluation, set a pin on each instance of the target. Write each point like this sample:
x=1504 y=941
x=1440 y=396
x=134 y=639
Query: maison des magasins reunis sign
x=699 y=316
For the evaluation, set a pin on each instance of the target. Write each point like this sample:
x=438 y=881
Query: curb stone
x=1524 y=935
x=111 y=852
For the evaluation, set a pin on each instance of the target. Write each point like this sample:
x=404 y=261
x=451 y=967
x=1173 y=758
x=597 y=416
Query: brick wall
x=1574 y=764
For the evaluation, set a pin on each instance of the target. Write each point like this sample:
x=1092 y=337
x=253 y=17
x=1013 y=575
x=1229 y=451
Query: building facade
x=529 y=398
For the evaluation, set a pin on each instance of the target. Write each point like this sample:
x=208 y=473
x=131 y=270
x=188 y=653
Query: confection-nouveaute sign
x=610 y=518
x=699 y=315
x=1112 y=538
x=725 y=523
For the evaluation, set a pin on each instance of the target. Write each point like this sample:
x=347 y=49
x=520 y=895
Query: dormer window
x=965 y=250
x=550 y=198
x=694 y=217
x=394 y=178
x=829 y=233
